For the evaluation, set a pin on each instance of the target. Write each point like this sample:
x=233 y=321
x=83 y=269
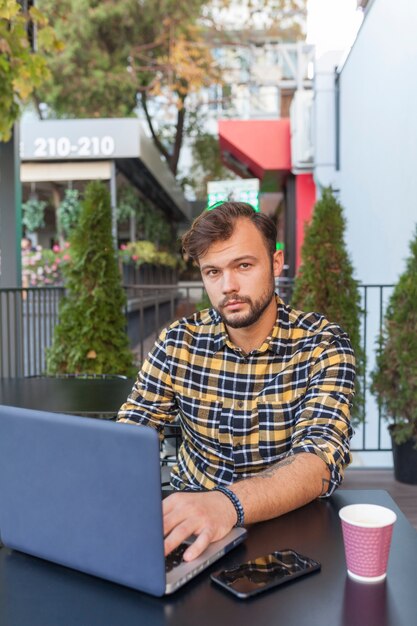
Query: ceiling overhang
x=74 y=144
x=256 y=148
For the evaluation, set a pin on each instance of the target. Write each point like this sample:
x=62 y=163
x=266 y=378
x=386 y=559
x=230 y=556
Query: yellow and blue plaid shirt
x=240 y=413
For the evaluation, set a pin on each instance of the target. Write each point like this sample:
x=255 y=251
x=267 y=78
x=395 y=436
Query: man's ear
x=278 y=262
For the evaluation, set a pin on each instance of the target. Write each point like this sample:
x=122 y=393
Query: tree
x=206 y=165
x=394 y=379
x=21 y=69
x=281 y=20
x=153 y=54
x=118 y=52
x=326 y=282
x=91 y=335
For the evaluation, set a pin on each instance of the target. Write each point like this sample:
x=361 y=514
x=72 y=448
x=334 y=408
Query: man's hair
x=218 y=225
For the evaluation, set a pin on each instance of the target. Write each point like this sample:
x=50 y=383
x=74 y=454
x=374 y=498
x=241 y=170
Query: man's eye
x=245 y=265
x=211 y=272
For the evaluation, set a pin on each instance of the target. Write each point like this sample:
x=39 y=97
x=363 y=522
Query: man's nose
x=230 y=283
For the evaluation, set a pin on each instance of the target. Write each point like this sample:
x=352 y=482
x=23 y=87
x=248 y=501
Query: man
x=263 y=392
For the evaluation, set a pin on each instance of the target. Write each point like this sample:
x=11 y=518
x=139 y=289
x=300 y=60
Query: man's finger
x=179 y=534
x=198 y=546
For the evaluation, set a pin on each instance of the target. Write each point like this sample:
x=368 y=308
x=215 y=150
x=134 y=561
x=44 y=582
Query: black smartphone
x=253 y=577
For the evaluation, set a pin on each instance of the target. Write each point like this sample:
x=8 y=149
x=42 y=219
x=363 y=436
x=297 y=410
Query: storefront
x=56 y=154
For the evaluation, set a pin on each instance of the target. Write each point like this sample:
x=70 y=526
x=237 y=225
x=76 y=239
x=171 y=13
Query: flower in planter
x=140 y=252
x=44 y=267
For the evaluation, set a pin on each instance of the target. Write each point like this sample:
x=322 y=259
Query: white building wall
x=378 y=140
x=378 y=162
x=324 y=129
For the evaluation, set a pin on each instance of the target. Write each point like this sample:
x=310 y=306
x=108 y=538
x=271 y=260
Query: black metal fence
x=149 y=308
x=27 y=321
x=28 y=317
x=372 y=434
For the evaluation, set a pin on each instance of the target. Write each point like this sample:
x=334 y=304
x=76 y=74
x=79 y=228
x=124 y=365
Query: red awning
x=257 y=146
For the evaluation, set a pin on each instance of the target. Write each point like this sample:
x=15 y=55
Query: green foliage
x=90 y=78
x=127 y=202
x=207 y=164
x=394 y=379
x=153 y=225
x=125 y=54
x=151 y=222
x=33 y=214
x=68 y=212
x=140 y=252
x=109 y=49
x=325 y=282
x=91 y=335
x=117 y=51
x=279 y=20
x=204 y=303
x=21 y=70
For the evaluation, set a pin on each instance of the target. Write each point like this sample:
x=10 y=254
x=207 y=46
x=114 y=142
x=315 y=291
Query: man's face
x=238 y=275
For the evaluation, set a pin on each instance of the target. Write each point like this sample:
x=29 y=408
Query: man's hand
x=209 y=515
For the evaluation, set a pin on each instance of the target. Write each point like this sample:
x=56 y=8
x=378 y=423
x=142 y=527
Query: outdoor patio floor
x=404 y=495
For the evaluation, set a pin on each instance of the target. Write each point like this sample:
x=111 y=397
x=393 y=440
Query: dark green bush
x=394 y=379
x=91 y=334
x=326 y=282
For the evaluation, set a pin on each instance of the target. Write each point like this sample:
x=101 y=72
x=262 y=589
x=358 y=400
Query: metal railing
x=372 y=434
x=148 y=309
x=28 y=317
x=27 y=321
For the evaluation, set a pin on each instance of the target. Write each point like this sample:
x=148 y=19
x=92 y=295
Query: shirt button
x=238 y=446
x=240 y=404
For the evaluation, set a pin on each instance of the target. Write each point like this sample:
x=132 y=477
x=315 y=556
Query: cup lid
x=367 y=515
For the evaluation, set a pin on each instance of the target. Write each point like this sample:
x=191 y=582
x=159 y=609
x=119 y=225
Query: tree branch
x=37 y=104
x=179 y=135
x=155 y=137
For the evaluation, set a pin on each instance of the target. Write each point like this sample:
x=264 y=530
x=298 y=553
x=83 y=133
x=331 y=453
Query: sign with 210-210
x=80 y=139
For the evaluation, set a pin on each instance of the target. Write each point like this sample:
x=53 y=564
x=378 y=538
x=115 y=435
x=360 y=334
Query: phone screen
x=265 y=572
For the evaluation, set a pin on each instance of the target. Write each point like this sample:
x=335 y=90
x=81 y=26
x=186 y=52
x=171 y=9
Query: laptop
x=86 y=493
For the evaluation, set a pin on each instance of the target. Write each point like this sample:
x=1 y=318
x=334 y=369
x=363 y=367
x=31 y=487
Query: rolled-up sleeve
x=323 y=424
x=152 y=400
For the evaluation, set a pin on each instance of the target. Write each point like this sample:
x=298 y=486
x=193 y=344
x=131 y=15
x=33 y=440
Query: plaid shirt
x=240 y=413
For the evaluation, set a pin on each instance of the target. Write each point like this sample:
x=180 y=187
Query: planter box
x=405 y=462
x=148 y=311
x=148 y=274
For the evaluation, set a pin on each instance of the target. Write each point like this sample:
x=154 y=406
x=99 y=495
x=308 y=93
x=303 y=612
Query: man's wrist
x=240 y=513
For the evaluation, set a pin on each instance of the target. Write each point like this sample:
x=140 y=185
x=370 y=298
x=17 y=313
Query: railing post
x=11 y=335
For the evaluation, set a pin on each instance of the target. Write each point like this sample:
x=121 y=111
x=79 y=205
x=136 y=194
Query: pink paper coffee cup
x=367 y=531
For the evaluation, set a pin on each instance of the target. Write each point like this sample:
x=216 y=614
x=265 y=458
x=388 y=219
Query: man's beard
x=256 y=309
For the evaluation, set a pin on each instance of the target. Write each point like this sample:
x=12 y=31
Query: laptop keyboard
x=174 y=558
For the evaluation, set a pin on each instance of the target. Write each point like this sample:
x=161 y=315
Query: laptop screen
x=85 y=493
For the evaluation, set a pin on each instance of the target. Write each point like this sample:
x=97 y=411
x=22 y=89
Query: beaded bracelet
x=236 y=503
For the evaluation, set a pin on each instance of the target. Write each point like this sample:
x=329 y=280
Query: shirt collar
x=220 y=336
x=276 y=341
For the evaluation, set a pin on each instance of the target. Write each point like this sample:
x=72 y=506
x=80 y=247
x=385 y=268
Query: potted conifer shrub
x=91 y=335
x=394 y=379
x=326 y=284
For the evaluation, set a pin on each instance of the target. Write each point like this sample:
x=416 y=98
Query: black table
x=36 y=593
x=84 y=396
x=94 y=397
